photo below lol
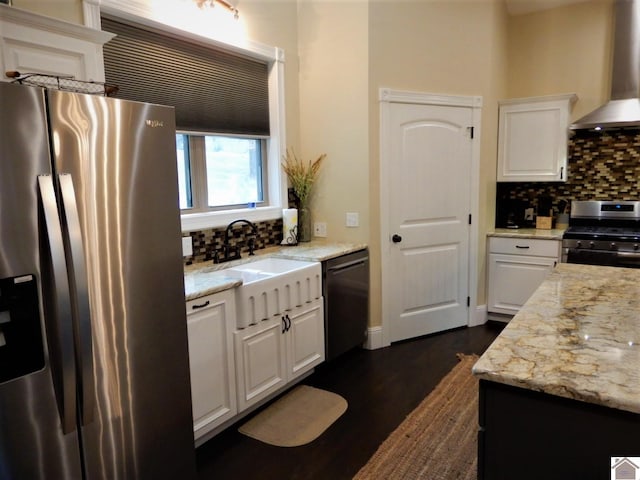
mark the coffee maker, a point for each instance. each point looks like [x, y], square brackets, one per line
[510, 213]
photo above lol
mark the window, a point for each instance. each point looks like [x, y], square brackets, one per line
[219, 172]
[242, 117]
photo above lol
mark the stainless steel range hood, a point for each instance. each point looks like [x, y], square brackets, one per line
[623, 110]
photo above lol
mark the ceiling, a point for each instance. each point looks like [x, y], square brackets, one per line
[519, 7]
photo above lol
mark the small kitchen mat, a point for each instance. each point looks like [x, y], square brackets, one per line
[299, 417]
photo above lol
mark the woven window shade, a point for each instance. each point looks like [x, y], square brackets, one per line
[211, 90]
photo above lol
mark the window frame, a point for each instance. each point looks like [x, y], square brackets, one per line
[198, 172]
[141, 11]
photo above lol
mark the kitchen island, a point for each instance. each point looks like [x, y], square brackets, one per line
[560, 387]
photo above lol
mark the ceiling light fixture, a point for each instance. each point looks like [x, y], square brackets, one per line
[212, 3]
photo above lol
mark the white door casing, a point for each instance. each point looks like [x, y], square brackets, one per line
[429, 171]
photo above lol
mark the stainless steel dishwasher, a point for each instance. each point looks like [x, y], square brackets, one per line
[345, 286]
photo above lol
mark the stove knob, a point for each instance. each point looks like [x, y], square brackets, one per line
[578, 244]
[612, 246]
[592, 244]
[635, 246]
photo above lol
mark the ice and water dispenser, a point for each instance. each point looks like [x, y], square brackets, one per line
[21, 343]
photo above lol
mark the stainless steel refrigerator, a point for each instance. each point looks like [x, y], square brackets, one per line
[94, 372]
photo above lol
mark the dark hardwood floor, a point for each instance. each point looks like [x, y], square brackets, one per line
[381, 386]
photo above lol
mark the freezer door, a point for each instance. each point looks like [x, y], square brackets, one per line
[120, 158]
[32, 442]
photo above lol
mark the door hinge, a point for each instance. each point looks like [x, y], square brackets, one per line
[468, 301]
[469, 219]
[471, 131]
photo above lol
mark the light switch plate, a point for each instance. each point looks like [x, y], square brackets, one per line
[187, 246]
[352, 219]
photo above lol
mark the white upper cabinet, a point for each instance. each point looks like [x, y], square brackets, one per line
[532, 138]
[31, 43]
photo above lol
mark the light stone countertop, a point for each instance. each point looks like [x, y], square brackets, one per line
[554, 234]
[206, 278]
[577, 337]
[199, 283]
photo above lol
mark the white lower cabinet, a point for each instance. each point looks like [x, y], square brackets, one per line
[274, 352]
[517, 267]
[210, 325]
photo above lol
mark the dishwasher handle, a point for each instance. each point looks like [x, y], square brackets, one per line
[346, 265]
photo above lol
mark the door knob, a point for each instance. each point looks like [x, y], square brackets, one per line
[396, 238]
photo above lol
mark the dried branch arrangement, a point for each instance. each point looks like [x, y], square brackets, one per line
[301, 174]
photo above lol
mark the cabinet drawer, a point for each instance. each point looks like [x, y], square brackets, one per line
[202, 303]
[525, 246]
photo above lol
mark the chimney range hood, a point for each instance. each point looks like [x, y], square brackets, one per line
[623, 109]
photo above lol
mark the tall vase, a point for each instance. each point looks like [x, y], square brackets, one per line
[304, 224]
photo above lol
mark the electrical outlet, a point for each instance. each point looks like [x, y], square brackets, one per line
[319, 229]
[352, 219]
[187, 246]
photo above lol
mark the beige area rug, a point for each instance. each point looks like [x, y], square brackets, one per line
[299, 417]
[438, 440]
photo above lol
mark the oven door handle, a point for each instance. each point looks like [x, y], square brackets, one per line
[629, 255]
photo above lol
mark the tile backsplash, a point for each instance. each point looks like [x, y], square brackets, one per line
[601, 166]
[206, 242]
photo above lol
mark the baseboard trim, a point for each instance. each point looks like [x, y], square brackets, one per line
[499, 317]
[374, 334]
[374, 339]
[480, 317]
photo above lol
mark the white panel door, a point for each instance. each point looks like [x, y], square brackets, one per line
[429, 208]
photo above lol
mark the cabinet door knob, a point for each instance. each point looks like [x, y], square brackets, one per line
[396, 238]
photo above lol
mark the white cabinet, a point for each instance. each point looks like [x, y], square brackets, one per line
[274, 352]
[517, 267]
[35, 43]
[532, 138]
[305, 338]
[210, 324]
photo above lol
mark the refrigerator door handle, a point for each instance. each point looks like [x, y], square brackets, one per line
[78, 285]
[59, 323]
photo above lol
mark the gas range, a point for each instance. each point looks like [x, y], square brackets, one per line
[603, 233]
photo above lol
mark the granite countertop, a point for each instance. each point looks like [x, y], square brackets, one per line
[553, 234]
[198, 283]
[206, 278]
[577, 337]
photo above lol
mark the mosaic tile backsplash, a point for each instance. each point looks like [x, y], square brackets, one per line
[601, 166]
[206, 242]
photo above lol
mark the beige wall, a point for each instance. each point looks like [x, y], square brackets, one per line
[69, 10]
[334, 112]
[564, 50]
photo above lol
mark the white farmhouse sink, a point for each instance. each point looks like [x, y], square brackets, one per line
[247, 276]
[272, 286]
[273, 266]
